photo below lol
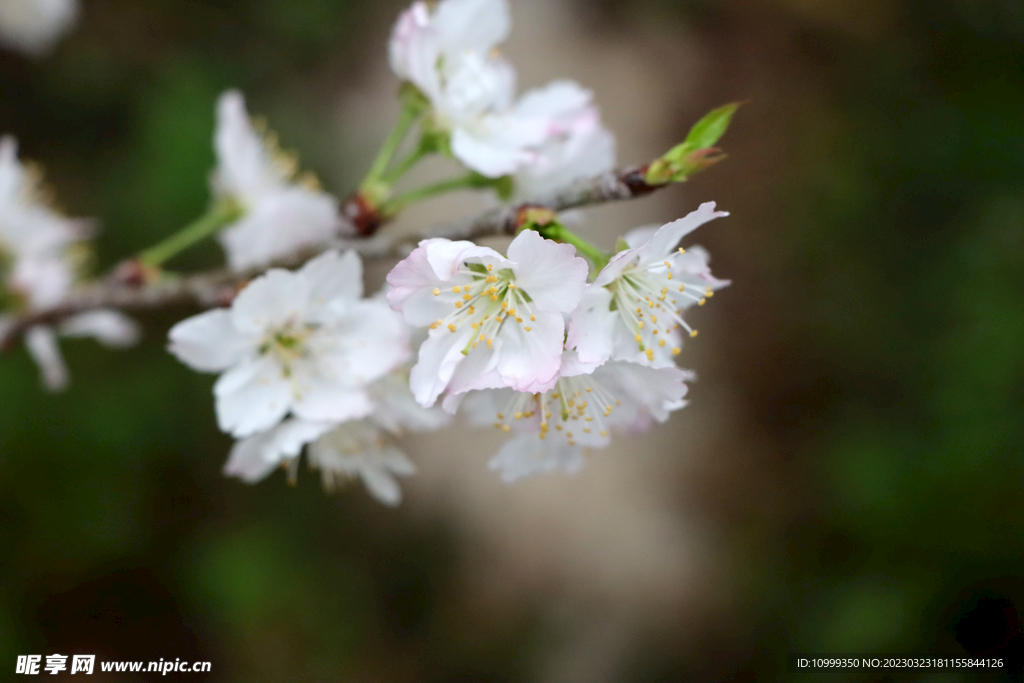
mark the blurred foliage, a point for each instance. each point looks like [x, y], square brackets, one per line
[895, 397]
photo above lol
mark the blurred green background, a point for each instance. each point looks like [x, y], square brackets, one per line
[865, 495]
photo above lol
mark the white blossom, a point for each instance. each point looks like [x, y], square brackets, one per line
[343, 451]
[633, 309]
[302, 343]
[494, 321]
[577, 145]
[549, 137]
[580, 411]
[280, 215]
[40, 252]
[33, 26]
[359, 449]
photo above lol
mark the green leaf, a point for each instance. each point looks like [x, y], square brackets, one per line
[709, 130]
[697, 152]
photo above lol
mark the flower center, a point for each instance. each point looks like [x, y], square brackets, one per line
[486, 301]
[288, 344]
[577, 407]
[650, 301]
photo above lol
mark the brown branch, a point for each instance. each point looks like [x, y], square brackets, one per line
[217, 288]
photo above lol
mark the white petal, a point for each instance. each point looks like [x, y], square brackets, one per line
[529, 361]
[526, 454]
[439, 355]
[592, 326]
[278, 224]
[323, 400]
[668, 236]
[381, 485]
[396, 408]
[555, 100]
[252, 397]
[334, 276]
[658, 390]
[375, 342]
[472, 25]
[549, 272]
[434, 264]
[209, 342]
[277, 298]
[41, 343]
[245, 168]
[111, 328]
[498, 146]
[398, 462]
[477, 371]
[254, 458]
[446, 257]
[248, 460]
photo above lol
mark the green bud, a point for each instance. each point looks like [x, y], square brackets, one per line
[697, 152]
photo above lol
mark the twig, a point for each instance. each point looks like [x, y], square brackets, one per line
[217, 288]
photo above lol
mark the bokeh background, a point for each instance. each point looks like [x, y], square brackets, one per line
[848, 477]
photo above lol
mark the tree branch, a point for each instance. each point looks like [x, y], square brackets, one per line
[217, 288]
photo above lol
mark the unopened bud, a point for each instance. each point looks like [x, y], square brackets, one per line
[135, 273]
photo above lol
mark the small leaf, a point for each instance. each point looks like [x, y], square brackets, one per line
[710, 129]
[696, 153]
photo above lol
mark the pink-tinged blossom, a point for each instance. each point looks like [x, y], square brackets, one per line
[34, 26]
[633, 309]
[576, 145]
[448, 53]
[40, 251]
[302, 343]
[280, 215]
[548, 138]
[585, 405]
[494, 321]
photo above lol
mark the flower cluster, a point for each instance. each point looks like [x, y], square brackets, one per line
[276, 216]
[553, 342]
[40, 256]
[498, 334]
[545, 139]
[303, 357]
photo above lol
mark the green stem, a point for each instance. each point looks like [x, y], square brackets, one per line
[396, 205]
[392, 176]
[559, 232]
[222, 214]
[394, 140]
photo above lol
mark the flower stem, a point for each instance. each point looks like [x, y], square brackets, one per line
[558, 232]
[222, 214]
[396, 205]
[392, 176]
[408, 117]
